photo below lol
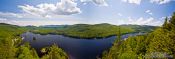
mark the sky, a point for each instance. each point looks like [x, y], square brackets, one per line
[68, 12]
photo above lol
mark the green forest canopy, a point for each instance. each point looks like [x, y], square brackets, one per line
[158, 44]
[10, 47]
[92, 31]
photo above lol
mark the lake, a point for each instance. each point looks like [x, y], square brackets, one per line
[76, 48]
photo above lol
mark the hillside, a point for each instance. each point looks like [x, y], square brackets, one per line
[159, 44]
[11, 47]
[91, 31]
[140, 28]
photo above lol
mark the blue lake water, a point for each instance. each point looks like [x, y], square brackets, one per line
[76, 48]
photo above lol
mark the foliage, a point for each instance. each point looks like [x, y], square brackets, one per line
[25, 52]
[9, 39]
[54, 52]
[11, 47]
[158, 44]
[92, 31]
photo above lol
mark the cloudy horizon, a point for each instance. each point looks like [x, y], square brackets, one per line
[61, 12]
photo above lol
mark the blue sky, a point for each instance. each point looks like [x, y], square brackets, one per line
[56, 12]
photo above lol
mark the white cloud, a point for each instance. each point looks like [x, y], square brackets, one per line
[133, 1]
[162, 18]
[97, 2]
[119, 14]
[160, 1]
[65, 7]
[142, 21]
[62, 19]
[28, 19]
[149, 12]
[7, 14]
[3, 19]
[152, 1]
[39, 23]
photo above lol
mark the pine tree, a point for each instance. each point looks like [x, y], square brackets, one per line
[166, 25]
[118, 35]
[172, 22]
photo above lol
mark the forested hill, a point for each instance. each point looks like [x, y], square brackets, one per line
[159, 44]
[10, 40]
[91, 31]
[79, 30]
[11, 47]
[141, 28]
[11, 30]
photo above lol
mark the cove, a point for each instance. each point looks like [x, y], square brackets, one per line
[76, 48]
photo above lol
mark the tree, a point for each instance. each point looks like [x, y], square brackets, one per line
[7, 50]
[172, 22]
[24, 52]
[165, 24]
[158, 44]
[55, 53]
[119, 34]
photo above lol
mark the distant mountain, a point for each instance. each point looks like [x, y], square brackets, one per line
[141, 28]
[137, 28]
[5, 25]
[53, 26]
[91, 31]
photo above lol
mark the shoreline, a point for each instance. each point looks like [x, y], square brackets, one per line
[82, 37]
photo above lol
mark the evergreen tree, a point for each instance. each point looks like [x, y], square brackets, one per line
[165, 24]
[55, 53]
[119, 34]
[25, 52]
[172, 22]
